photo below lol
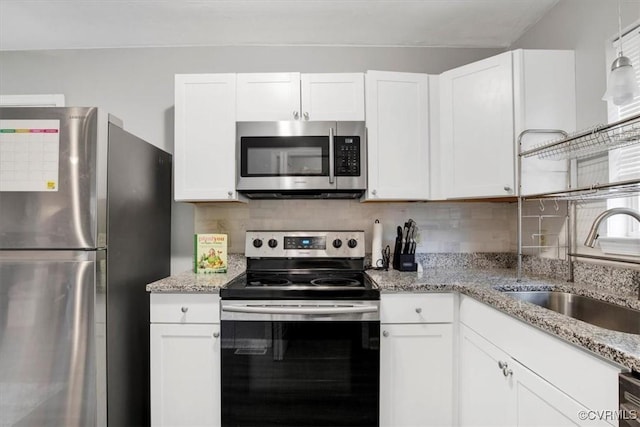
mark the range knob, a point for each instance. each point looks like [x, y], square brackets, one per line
[257, 243]
[272, 243]
[337, 243]
[352, 243]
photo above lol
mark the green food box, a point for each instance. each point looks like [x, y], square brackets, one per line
[210, 253]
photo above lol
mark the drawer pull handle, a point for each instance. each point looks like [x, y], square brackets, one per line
[418, 310]
[184, 309]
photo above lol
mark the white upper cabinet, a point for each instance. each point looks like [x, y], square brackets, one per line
[268, 97]
[484, 107]
[295, 96]
[333, 96]
[546, 91]
[477, 128]
[397, 111]
[205, 129]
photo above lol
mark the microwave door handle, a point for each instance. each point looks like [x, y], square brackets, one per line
[283, 163]
[331, 157]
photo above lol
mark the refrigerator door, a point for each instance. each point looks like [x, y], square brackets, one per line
[50, 330]
[139, 241]
[48, 178]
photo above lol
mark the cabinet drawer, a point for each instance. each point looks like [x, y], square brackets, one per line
[416, 308]
[185, 308]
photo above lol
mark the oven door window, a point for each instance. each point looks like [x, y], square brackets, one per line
[300, 373]
[284, 156]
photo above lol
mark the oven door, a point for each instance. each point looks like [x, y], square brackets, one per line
[286, 156]
[307, 363]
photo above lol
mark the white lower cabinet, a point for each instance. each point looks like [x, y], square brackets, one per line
[511, 395]
[497, 371]
[485, 396]
[416, 360]
[497, 389]
[185, 361]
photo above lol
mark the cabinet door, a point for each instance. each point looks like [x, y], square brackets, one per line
[205, 129]
[333, 96]
[541, 404]
[545, 98]
[486, 396]
[512, 395]
[397, 111]
[416, 371]
[185, 375]
[477, 128]
[268, 97]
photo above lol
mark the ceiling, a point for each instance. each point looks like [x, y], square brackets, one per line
[72, 24]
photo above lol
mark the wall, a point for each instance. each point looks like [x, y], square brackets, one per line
[584, 26]
[443, 227]
[137, 86]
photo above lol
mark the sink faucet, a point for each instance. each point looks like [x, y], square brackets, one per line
[593, 233]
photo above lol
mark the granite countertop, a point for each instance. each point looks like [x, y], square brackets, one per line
[189, 281]
[482, 284]
[485, 286]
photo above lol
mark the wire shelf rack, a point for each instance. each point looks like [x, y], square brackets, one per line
[594, 192]
[590, 142]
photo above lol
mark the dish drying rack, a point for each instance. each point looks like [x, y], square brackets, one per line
[588, 142]
[571, 147]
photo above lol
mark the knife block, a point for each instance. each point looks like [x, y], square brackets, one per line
[405, 262]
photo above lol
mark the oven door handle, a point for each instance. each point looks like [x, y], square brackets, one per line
[265, 309]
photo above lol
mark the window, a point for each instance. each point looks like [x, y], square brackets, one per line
[624, 163]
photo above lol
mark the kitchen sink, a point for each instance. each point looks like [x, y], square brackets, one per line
[590, 310]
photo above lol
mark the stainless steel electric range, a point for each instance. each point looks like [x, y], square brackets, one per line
[301, 333]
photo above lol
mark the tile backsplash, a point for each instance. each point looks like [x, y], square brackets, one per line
[443, 226]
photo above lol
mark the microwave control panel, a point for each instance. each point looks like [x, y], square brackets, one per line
[347, 155]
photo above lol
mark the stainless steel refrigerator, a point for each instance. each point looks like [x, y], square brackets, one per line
[85, 223]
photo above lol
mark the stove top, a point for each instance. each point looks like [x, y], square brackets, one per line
[319, 265]
[291, 285]
[311, 280]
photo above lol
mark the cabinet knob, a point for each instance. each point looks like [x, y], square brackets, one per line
[508, 189]
[385, 334]
[306, 116]
[184, 309]
[230, 193]
[374, 192]
[296, 115]
[506, 372]
[216, 334]
[502, 365]
[418, 310]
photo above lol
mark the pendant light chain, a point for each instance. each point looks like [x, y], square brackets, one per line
[620, 27]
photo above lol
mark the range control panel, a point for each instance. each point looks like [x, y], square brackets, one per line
[305, 244]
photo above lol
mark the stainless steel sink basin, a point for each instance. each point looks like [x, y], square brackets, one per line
[593, 311]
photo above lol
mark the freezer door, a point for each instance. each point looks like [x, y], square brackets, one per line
[48, 178]
[50, 332]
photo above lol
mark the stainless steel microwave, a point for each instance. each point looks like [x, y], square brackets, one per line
[301, 159]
